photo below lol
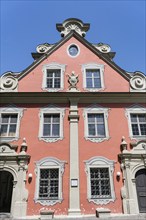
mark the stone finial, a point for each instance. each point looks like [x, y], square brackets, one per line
[73, 24]
[24, 146]
[123, 144]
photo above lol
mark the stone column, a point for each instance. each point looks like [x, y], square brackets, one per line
[74, 199]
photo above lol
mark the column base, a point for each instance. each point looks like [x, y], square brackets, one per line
[74, 212]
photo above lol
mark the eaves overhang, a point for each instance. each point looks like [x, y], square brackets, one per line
[65, 97]
[87, 44]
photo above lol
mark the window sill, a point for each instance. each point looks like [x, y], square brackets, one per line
[49, 139]
[52, 89]
[97, 139]
[101, 201]
[8, 139]
[48, 202]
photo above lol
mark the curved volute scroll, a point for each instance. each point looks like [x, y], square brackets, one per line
[9, 82]
[138, 82]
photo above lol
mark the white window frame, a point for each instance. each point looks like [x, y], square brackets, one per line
[12, 109]
[53, 66]
[100, 162]
[96, 109]
[51, 109]
[93, 66]
[134, 109]
[49, 163]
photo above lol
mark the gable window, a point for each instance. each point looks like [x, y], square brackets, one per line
[49, 172]
[136, 121]
[100, 188]
[53, 78]
[51, 123]
[10, 123]
[93, 77]
[96, 126]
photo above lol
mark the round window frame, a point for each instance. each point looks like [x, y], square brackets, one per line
[69, 52]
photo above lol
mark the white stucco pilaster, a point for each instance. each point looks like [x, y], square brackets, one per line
[74, 199]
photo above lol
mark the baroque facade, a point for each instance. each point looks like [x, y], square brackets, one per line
[73, 131]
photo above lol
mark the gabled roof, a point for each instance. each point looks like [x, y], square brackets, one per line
[104, 56]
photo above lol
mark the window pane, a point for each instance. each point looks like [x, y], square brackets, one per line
[100, 118]
[89, 83]
[142, 118]
[3, 131]
[47, 118]
[57, 83]
[91, 130]
[101, 130]
[133, 118]
[135, 129]
[55, 130]
[5, 118]
[88, 73]
[56, 118]
[97, 83]
[143, 129]
[12, 130]
[13, 119]
[96, 73]
[91, 118]
[46, 130]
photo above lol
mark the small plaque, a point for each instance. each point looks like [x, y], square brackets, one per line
[74, 182]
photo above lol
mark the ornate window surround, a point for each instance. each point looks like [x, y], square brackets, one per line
[53, 66]
[51, 109]
[99, 110]
[100, 162]
[49, 163]
[134, 109]
[93, 66]
[12, 109]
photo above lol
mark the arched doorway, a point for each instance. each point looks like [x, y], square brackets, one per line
[141, 189]
[6, 189]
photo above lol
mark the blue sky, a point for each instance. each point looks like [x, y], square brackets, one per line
[27, 23]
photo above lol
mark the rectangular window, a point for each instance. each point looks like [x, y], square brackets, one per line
[138, 124]
[53, 78]
[93, 78]
[49, 184]
[100, 183]
[96, 126]
[51, 125]
[8, 125]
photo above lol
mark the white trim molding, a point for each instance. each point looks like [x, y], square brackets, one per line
[91, 66]
[49, 163]
[53, 66]
[134, 109]
[10, 110]
[100, 162]
[51, 109]
[96, 109]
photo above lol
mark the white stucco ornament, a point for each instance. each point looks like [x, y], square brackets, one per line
[73, 80]
[104, 48]
[138, 82]
[42, 48]
[8, 83]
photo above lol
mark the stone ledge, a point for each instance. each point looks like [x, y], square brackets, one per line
[46, 214]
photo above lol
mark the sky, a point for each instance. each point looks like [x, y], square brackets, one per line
[28, 23]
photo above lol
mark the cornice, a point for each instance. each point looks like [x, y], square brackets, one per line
[64, 97]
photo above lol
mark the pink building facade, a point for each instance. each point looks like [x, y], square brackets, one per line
[73, 132]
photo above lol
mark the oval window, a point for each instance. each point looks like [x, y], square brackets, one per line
[73, 50]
